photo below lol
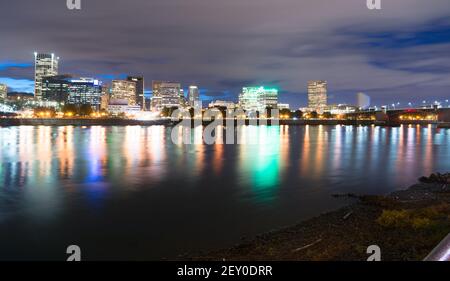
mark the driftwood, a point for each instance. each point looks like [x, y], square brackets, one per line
[307, 246]
[347, 195]
[347, 215]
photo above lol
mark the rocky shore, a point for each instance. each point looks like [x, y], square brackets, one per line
[406, 225]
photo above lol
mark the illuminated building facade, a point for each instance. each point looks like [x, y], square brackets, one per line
[140, 86]
[317, 95]
[105, 98]
[258, 98]
[14, 96]
[3, 92]
[123, 89]
[84, 91]
[55, 88]
[44, 65]
[121, 106]
[80, 91]
[283, 106]
[165, 94]
[194, 97]
[222, 103]
[340, 109]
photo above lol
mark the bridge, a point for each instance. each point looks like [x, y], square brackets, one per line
[430, 115]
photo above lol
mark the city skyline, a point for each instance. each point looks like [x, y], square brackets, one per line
[348, 49]
[140, 94]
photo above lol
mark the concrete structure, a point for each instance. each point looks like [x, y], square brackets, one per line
[222, 103]
[123, 89]
[165, 94]
[317, 95]
[44, 65]
[121, 106]
[444, 115]
[258, 98]
[283, 106]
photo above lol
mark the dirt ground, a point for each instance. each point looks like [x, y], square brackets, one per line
[406, 225]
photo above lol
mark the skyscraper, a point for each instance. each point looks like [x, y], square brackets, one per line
[182, 101]
[258, 98]
[3, 92]
[124, 90]
[194, 97]
[165, 94]
[139, 80]
[44, 65]
[317, 95]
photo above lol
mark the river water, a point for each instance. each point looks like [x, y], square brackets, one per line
[126, 193]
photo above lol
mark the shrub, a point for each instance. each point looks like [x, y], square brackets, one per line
[414, 218]
[393, 218]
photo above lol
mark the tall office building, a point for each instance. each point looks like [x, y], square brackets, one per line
[44, 65]
[85, 91]
[3, 92]
[67, 90]
[124, 90]
[140, 98]
[194, 97]
[317, 95]
[55, 88]
[182, 101]
[258, 98]
[165, 94]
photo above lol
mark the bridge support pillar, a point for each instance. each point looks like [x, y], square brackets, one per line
[444, 115]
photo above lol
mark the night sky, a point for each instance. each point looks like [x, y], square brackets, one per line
[398, 54]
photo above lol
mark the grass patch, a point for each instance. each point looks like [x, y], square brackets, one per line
[415, 218]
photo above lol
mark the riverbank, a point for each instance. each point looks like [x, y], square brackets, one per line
[5, 122]
[444, 125]
[406, 225]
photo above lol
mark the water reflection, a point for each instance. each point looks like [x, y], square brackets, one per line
[46, 155]
[260, 164]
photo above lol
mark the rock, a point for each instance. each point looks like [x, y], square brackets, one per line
[436, 178]
[424, 179]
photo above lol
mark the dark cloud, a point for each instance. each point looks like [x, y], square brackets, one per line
[401, 50]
